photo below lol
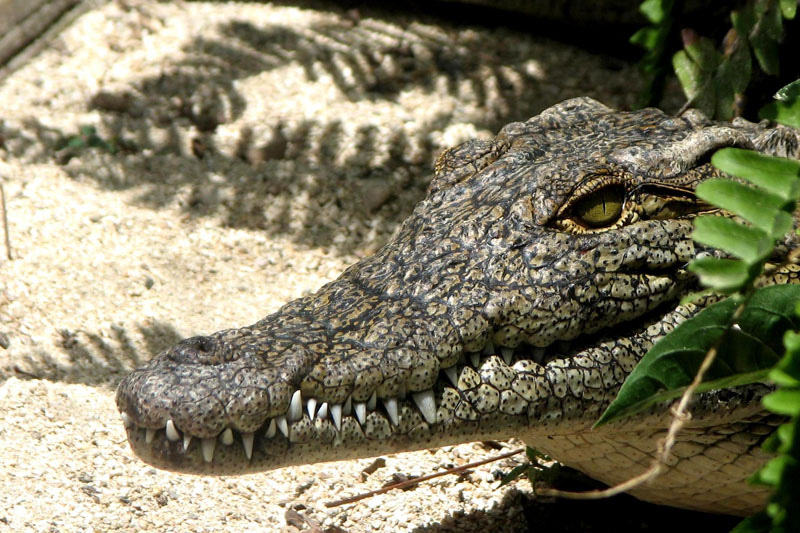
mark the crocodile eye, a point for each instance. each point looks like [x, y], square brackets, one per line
[601, 208]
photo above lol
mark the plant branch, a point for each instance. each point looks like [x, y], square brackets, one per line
[410, 482]
[5, 222]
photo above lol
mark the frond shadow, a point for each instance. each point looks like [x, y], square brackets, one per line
[181, 138]
[92, 359]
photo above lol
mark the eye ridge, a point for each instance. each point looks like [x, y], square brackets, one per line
[600, 208]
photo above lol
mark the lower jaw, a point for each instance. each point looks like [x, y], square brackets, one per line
[315, 442]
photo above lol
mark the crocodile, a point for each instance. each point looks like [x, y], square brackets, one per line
[513, 302]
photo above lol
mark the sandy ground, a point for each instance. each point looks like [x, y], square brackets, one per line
[242, 155]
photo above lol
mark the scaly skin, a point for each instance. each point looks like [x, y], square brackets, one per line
[507, 305]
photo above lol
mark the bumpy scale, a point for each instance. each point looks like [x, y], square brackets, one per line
[514, 301]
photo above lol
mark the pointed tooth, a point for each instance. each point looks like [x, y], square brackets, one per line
[336, 415]
[348, 406]
[208, 448]
[172, 433]
[127, 421]
[426, 404]
[186, 440]
[247, 442]
[312, 408]
[283, 425]
[475, 359]
[391, 408]
[452, 375]
[489, 348]
[373, 401]
[227, 437]
[323, 411]
[295, 407]
[508, 354]
[271, 429]
[361, 412]
[149, 434]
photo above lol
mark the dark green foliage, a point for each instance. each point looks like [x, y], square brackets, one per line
[87, 137]
[782, 514]
[535, 469]
[782, 109]
[714, 78]
[745, 354]
[654, 39]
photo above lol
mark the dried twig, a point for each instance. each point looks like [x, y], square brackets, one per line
[5, 221]
[410, 482]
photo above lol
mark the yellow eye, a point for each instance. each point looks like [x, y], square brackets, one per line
[601, 208]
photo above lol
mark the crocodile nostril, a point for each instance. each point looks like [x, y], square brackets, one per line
[203, 344]
[201, 349]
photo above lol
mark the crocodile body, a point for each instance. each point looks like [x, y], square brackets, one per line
[513, 302]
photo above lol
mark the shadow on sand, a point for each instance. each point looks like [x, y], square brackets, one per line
[323, 182]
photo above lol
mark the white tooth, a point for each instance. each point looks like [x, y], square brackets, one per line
[208, 448]
[271, 429]
[227, 437]
[373, 401]
[489, 348]
[475, 359]
[452, 375]
[247, 441]
[426, 404]
[172, 433]
[391, 409]
[336, 415]
[348, 406]
[312, 408]
[186, 440]
[149, 434]
[295, 407]
[283, 425]
[508, 354]
[127, 421]
[323, 411]
[361, 411]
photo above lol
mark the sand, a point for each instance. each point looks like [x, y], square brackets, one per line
[172, 169]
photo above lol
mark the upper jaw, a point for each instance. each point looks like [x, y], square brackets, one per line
[494, 393]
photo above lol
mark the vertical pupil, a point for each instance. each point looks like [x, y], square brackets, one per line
[600, 208]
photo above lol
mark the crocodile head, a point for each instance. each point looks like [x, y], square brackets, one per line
[513, 301]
